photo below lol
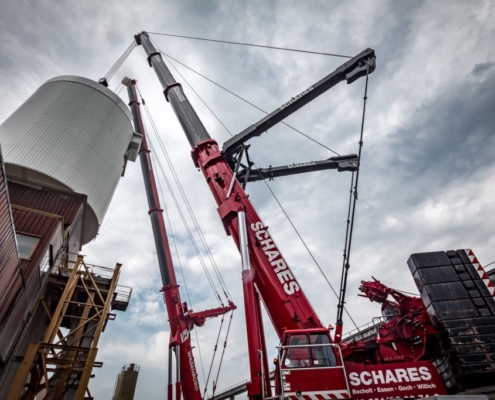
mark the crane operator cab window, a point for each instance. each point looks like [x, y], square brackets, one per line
[313, 350]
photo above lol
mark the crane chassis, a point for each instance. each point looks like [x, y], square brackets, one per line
[406, 359]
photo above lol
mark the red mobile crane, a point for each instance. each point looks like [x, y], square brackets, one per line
[181, 318]
[311, 365]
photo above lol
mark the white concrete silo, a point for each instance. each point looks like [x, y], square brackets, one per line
[72, 134]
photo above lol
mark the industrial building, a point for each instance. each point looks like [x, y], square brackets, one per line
[62, 155]
[64, 151]
[125, 384]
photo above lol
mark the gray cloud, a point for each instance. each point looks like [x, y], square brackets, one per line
[427, 160]
[480, 69]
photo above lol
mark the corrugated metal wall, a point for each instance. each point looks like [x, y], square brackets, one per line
[11, 282]
[27, 283]
[77, 132]
[35, 212]
[45, 201]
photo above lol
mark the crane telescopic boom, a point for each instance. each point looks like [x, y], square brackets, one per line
[285, 301]
[287, 305]
[181, 319]
[270, 276]
[406, 356]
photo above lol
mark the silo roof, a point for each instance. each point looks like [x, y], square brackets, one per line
[75, 134]
[95, 85]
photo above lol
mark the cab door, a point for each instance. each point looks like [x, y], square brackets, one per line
[311, 368]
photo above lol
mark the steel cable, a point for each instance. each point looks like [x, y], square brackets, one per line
[189, 207]
[178, 258]
[182, 273]
[115, 67]
[213, 357]
[223, 353]
[307, 248]
[266, 183]
[210, 254]
[248, 102]
[251, 45]
[350, 226]
[186, 226]
[344, 258]
[165, 208]
[199, 97]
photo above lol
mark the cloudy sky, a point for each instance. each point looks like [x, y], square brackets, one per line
[427, 165]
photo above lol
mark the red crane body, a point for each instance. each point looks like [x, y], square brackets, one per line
[270, 276]
[286, 304]
[310, 365]
[181, 319]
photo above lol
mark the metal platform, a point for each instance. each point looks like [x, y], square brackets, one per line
[78, 306]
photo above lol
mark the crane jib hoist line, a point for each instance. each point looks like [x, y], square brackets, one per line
[310, 364]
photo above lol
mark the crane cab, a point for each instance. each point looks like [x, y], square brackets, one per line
[310, 367]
